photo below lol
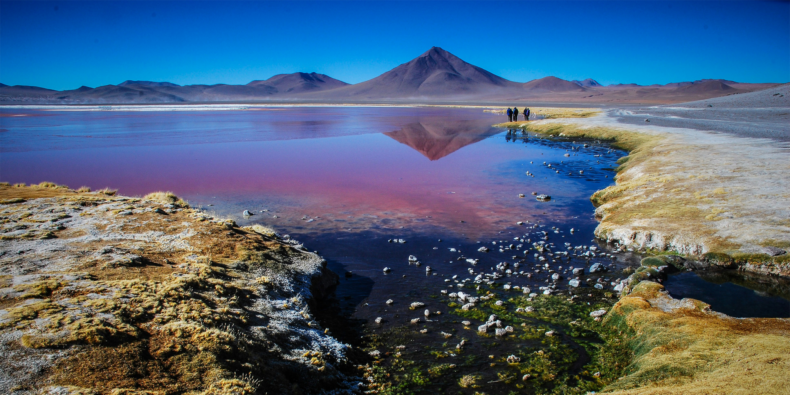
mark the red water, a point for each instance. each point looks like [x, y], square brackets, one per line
[403, 164]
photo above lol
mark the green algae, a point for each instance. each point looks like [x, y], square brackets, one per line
[555, 347]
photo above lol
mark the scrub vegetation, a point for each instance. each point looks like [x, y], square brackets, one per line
[110, 294]
[681, 347]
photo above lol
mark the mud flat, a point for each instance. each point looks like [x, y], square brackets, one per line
[110, 294]
[718, 197]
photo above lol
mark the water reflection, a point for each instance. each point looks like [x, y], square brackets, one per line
[436, 138]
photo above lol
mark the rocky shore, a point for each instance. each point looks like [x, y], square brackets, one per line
[110, 294]
[717, 197]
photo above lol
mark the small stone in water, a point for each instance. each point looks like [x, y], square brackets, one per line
[390, 301]
[378, 320]
[423, 331]
[466, 323]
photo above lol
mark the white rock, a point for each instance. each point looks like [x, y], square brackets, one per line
[598, 313]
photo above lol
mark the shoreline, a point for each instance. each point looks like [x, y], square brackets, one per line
[670, 199]
[101, 286]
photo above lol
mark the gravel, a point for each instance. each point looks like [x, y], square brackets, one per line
[761, 114]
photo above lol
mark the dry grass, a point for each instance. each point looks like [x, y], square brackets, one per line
[549, 113]
[688, 351]
[166, 198]
[173, 318]
[663, 203]
[107, 191]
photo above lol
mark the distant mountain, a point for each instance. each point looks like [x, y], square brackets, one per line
[299, 82]
[625, 86]
[687, 83]
[435, 73]
[146, 83]
[552, 84]
[115, 94]
[588, 83]
[704, 87]
[436, 76]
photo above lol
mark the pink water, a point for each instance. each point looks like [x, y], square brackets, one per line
[404, 164]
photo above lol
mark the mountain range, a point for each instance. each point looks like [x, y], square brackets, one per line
[436, 76]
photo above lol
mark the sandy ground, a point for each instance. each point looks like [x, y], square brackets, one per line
[762, 114]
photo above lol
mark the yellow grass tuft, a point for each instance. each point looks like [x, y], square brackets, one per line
[84, 189]
[107, 191]
[687, 351]
[166, 198]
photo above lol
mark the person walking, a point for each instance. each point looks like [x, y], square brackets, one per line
[515, 114]
[526, 114]
[509, 115]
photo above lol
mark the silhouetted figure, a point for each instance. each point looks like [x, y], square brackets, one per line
[509, 115]
[515, 114]
[526, 114]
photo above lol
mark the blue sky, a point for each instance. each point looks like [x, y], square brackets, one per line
[66, 44]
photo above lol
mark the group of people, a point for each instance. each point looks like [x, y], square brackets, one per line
[512, 114]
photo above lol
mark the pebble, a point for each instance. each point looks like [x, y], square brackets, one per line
[466, 323]
[387, 270]
[378, 320]
[598, 313]
[415, 321]
[417, 305]
[390, 301]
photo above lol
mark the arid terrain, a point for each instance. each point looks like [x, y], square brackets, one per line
[109, 294]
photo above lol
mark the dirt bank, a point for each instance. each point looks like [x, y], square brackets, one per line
[718, 197]
[103, 293]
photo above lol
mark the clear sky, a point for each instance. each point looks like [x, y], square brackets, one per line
[66, 44]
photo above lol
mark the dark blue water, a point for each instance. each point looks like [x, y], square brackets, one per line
[733, 294]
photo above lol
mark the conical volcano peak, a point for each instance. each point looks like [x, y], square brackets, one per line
[436, 51]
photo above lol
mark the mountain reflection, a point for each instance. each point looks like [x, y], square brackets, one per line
[436, 138]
